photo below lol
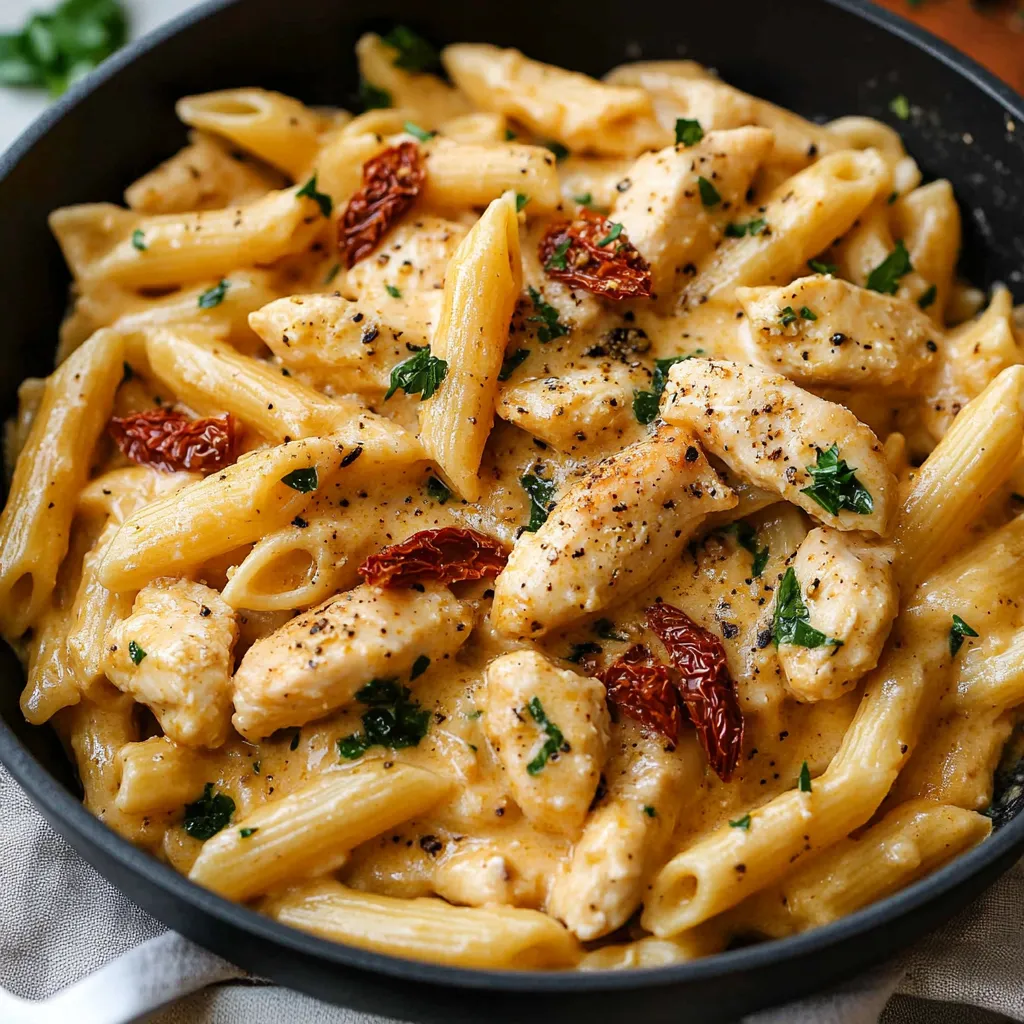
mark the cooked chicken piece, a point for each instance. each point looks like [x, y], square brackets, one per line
[173, 653]
[785, 439]
[549, 729]
[609, 535]
[847, 585]
[578, 408]
[821, 330]
[663, 211]
[315, 662]
[626, 835]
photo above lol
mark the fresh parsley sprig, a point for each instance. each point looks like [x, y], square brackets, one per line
[552, 745]
[421, 374]
[791, 620]
[547, 317]
[393, 719]
[541, 493]
[836, 487]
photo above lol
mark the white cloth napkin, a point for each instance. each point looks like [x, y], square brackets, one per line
[59, 921]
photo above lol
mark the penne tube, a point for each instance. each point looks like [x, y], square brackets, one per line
[52, 468]
[312, 829]
[50, 682]
[995, 680]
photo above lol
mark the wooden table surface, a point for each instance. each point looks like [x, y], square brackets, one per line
[991, 32]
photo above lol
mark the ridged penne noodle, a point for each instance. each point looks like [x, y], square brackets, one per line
[16, 430]
[52, 468]
[996, 680]
[867, 133]
[312, 829]
[481, 289]
[276, 128]
[475, 129]
[428, 929]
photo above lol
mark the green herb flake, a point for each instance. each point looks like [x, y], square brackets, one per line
[373, 98]
[790, 624]
[885, 277]
[414, 52]
[957, 632]
[708, 193]
[900, 106]
[806, 313]
[560, 151]
[585, 199]
[606, 630]
[746, 537]
[421, 374]
[417, 132]
[393, 719]
[205, 817]
[805, 778]
[688, 133]
[512, 362]
[547, 315]
[927, 297]
[395, 293]
[245, 833]
[787, 316]
[835, 487]
[646, 405]
[474, 714]
[419, 666]
[577, 652]
[821, 267]
[214, 296]
[139, 240]
[305, 481]
[555, 740]
[332, 273]
[893, 196]
[614, 232]
[521, 201]
[556, 261]
[752, 227]
[136, 653]
[648, 809]
[322, 199]
[510, 135]
[438, 490]
[256, 767]
[541, 493]
[743, 823]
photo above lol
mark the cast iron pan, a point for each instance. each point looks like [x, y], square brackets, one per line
[823, 58]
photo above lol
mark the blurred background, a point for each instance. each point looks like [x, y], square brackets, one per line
[45, 44]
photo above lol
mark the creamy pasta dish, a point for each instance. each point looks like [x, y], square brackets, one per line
[538, 521]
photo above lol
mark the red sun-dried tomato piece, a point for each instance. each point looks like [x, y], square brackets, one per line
[571, 252]
[707, 688]
[644, 689]
[170, 441]
[391, 182]
[448, 555]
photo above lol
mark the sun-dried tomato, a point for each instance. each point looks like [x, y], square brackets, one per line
[644, 689]
[391, 182]
[571, 252]
[707, 688]
[170, 441]
[448, 555]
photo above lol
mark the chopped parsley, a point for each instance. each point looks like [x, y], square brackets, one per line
[556, 261]
[927, 297]
[688, 133]
[332, 273]
[419, 666]
[214, 296]
[957, 632]
[646, 403]
[205, 817]
[512, 362]
[585, 199]
[322, 199]
[708, 193]
[650, 811]
[645, 406]
[373, 98]
[835, 487]
[414, 52]
[613, 233]
[577, 652]
[786, 316]
[560, 151]
[420, 133]
[821, 267]
[743, 823]
[605, 629]
[139, 239]
[438, 490]
[421, 374]
[805, 778]
[807, 313]
[510, 135]
[305, 481]
[541, 493]
[135, 652]
[547, 316]
[886, 276]
[55, 50]
[752, 227]
[790, 625]
[392, 720]
[521, 201]
[395, 293]
[746, 536]
[555, 740]
[900, 106]
[246, 832]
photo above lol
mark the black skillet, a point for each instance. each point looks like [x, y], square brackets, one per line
[823, 58]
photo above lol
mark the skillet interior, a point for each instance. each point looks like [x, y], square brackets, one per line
[821, 59]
